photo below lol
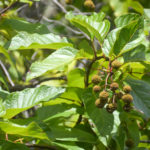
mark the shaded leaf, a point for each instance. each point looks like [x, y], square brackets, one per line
[100, 117]
[5, 145]
[141, 95]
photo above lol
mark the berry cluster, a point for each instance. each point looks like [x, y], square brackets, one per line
[110, 94]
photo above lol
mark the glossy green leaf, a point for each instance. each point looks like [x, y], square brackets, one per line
[31, 130]
[101, 118]
[24, 40]
[118, 41]
[93, 26]
[126, 19]
[17, 102]
[141, 95]
[57, 59]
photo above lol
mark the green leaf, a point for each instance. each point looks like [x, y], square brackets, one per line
[13, 26]
[58, 59]
[100, 117]
[141, 95]
[5, 145]
[47, 113]
[76, 78]
[93, 26]
[71, 134]
[136, 6]
[17, 102]
[68, 145]
[31, 130]
[24, 40]
[137, 54]
[72, 95]
[126, 19]
[117, 41]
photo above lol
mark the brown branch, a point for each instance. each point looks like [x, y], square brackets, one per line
[41, 146]
[86, 79]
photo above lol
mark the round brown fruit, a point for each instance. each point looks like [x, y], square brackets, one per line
[127, 107]
[96, 88]
[129, 143]
[99, 103]
[111, 107]
[96, 79]
[104, 95]
[116, 64]
[127, 98]
[68, 1]
[89, 4]
[127, 89]
[114, 86]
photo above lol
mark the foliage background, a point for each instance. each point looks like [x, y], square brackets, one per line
[45, 112]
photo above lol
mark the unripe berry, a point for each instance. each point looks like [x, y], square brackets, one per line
[127, 98]
[89, 4]
[114, 86]
[99, 103]
[96, 88]
[104, 95]
[127, 89]
[129, 143]
[96, 79]
[116, 64]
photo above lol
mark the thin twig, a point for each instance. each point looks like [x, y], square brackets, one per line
[6, 73]
[86, 79]
[60, 6]
[60, 23]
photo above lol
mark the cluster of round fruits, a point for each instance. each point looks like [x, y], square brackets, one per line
[112, 93]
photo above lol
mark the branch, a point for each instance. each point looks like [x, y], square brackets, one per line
[86, 79]
[41, 146]
[60, 6]
[35, 83]
[60, 23]
[6, 73]
[7, 8]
